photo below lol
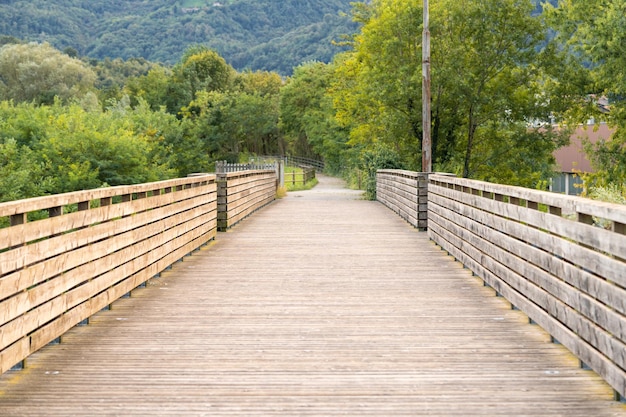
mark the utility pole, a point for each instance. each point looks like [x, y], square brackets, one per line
[426, 137]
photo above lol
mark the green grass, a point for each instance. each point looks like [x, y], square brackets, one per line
[301, 187]
[298, 186]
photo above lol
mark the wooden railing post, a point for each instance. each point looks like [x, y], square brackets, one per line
[222, 202]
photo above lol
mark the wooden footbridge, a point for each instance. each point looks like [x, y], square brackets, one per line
[319, 304]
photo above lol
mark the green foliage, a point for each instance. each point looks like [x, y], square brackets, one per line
[609, 159]
[377, 87]
[307, 116]
[592, 33]
[66, 148]
[227, 124]
[38, 72]
[20, 172]
[129, 137]
[611, 193]
[487, 87]
[257, 34]
[298, 186]
[379, 157]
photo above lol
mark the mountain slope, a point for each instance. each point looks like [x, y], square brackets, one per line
[258, 34]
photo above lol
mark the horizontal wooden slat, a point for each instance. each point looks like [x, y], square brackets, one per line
[562, 302]
[609, 211]
[41, 203]
[567, 275]
[72, 221]
[598, 362]
[72, 250]
[546, 251]
[404, 192]
[595, 237]
[241, 193]
[92, 250]
[349, 312]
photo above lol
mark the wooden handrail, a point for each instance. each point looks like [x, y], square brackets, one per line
[242, 193]
[560, 259]
[94, 247]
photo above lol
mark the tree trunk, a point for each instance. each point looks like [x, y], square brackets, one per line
[470, 142]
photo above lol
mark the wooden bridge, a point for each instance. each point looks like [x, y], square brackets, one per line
[319, 304]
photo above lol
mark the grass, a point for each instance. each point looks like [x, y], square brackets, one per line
[298, 186]
[302, 187]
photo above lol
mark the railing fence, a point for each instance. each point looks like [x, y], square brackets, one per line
[93, 247]
[559, 259]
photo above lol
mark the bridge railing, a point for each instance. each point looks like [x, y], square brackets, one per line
[300, 178]
[92, 247]
[242, 193]
[406, 193]
[559, 259]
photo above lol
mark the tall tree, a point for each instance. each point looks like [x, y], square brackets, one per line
[377, 88]
[489, 83]
[200, 69]
[38, 72]
[594, 33]
[307, 116]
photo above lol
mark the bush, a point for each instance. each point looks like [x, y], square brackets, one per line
[380, 157]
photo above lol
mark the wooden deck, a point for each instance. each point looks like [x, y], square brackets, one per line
[320, 304]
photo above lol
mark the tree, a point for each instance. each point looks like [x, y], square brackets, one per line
[228, 124]
[200, 69]
[38, 72]
[377, 87]
[593, 32]
[487, 64]
[307, 116]
[151, 87]
[490, 82]
[21, 176]
[263, 83]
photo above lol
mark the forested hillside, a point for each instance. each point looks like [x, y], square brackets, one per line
[257, 34]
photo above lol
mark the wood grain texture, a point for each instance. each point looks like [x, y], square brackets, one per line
[242, 193]
[404, 192]
[321, 304]
[562, 271]
[82, 261]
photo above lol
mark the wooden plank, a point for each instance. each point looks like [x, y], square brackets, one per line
[563, 303]
[567, 203]
[79, 285]
[613, 348]
[348, 313]
[44, 228]
[607, 369]
[42, 203]
[600, 239]
[14, 354]
[71, 250]
[251, 183]
[609, 211]
[548, 252]
[75, 315]
[586, 257]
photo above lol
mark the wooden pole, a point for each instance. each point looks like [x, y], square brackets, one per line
[426, 138]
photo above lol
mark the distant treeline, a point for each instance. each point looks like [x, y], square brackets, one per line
[256, 34]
